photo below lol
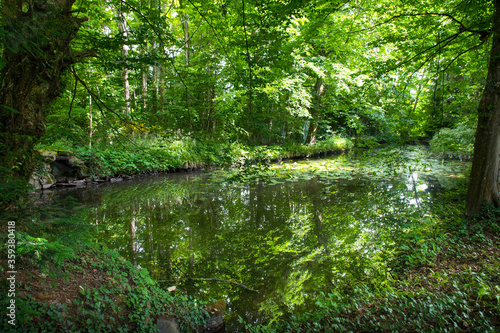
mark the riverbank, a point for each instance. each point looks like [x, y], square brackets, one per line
[443, 271]
[82, 166]
[64, 273]
[65, 281]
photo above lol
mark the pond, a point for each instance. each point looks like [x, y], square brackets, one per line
[268, 240]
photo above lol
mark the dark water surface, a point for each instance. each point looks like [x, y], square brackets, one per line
[282, 237]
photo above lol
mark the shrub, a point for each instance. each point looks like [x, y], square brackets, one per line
[454, 142]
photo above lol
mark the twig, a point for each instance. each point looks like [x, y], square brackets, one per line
[463, 28]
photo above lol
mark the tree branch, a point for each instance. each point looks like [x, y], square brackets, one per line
[211, 280]
[74, 94]
[462, 53]
[447, 41]
[85, 54]
[100, 103]
[217, 36]
[483, 33]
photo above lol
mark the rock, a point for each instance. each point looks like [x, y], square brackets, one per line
[48, 156]
[72, 183]
[214, 324]
[64, 184]
[35, 183]
[216, 321]
[74, 161]
[82, 171]
[167, 325]
[68, 166]
[79, 182]
[48, 180]
[42, 178]
[114, 180]
[60, 167]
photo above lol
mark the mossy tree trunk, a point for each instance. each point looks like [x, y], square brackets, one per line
[37, 52]
[483, 184]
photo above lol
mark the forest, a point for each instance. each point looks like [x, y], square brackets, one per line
[239, 88]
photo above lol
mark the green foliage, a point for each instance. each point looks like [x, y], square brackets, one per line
[388, 266]
[455, 142]
[12, 191]
[219, 84]
[126, 300]
[154, 153]
[261, 80]
[43, 250]
[138, 156]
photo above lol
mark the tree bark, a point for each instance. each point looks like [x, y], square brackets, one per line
[185, 24]
[144, 87]
[126, 85]
[319, 91]
[483, 184]
[37, 52]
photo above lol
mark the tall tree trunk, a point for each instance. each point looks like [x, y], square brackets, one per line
[162, 86]
[91, 123]
[162, 5]
[319, 91]
[126, 84]
[185, 25]
[91, 127]
[37, 52]
[156, 76]
[144, 87]
[483, 184]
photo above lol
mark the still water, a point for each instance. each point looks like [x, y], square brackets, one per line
[268, 241]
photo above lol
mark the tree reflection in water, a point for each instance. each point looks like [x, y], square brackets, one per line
[312, 227]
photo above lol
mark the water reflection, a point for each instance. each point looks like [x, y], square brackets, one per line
[288, 239]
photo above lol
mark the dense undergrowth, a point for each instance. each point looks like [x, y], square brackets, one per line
[157, 154]
[457, 142]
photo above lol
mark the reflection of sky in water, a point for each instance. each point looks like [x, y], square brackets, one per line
[417, 186]
[312, 229]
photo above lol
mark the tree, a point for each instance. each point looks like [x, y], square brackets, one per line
[483, 183]
[426, 31]
[37, 51]
[122, 25]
